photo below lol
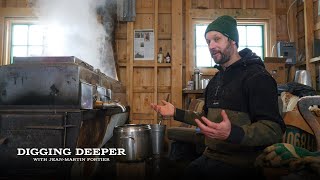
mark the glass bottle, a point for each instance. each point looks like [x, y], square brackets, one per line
[168, 58]
[160, 55]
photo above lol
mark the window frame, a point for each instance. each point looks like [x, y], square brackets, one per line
[9, 22]
[266, 33]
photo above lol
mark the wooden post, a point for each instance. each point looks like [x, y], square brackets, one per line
[129, 78]
[155, 74]
[176, 69]
[309, 38]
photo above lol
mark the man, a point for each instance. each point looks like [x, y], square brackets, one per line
[240, 116]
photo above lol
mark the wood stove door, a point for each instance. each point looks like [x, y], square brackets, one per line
[36, 130]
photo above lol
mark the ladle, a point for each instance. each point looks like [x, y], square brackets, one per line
[161, 117]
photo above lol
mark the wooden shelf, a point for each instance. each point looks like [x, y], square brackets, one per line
[164, 65]
[199, 91]
[147, 64]
[143, 63]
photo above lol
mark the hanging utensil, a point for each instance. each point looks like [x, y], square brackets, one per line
[160, 116]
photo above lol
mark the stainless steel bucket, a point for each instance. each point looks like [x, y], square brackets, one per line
[135, 139]
[157, 138]
[204, 83]
[303, 77]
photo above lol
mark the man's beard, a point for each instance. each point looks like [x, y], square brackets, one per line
[225, 55]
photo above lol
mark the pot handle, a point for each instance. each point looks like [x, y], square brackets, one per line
[127, 142]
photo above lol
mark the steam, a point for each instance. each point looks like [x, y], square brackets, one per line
[74, 30]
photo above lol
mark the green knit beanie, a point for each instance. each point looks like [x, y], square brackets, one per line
[226, 25]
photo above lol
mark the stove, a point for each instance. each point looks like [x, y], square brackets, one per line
[55, 102]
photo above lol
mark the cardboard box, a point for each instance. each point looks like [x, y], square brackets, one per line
[276, 67]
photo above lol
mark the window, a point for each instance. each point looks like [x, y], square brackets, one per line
[24, 37]
[27, 40]
[251, 35]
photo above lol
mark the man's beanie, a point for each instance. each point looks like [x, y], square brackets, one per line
[226, 25]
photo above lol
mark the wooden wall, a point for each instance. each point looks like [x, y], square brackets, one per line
[308, 29]
[14, 3]
[171, 20]
[150, 82]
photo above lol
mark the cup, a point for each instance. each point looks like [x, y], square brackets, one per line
[190, 85]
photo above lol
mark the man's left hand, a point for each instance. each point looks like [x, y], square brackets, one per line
[214, 130]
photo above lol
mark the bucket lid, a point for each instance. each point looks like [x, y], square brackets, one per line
[157, 127]
[132, 127]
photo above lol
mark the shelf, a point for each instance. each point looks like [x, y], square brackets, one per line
[199, 91]
[164, 64]
[150, 64]
[143, 63]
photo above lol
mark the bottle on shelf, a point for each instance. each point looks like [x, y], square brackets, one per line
[160, 55]
[196, 76]
[168, 58]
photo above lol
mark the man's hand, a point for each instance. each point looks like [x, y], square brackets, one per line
[167, 109]
[219, 131]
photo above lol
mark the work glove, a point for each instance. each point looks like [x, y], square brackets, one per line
[287, 155]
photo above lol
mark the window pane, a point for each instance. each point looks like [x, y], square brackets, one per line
[19, 51]
[20, 35]
[254, 34]
[35, 51]
[203, 57]
[242, 35]
[200, 39]
[241, 48]
[35, 35]
[257, 50]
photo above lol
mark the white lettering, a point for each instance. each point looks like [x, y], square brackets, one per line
[104, 151]
[67, 151]
[21, 151]
[113, 151]
[79, 151]
[96, 151]
[87, 151]
[121, 151]
[34, 151]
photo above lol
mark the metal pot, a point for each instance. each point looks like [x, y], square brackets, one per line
[135, 139]
[303, 77]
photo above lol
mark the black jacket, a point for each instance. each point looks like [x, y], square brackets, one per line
[248, 94]
[245, 86]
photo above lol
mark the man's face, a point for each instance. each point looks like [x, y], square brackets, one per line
[220, 47]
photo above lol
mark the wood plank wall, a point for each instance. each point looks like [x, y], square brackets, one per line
[151, 83]
[171, 20]
[14, 3]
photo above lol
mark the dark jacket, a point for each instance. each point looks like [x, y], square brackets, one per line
[248, 93]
